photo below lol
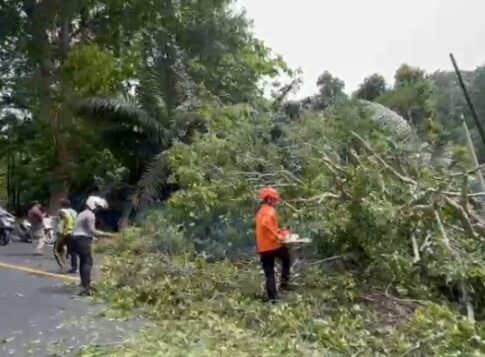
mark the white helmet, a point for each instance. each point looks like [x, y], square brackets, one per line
[94, 202]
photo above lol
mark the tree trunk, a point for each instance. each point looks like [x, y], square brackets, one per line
[60, 116]
[57, 192]
[9, 175]
[125, 215]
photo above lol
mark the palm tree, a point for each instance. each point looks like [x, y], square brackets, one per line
[163, 111]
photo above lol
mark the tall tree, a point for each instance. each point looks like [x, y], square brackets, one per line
[44, 36]
[411, 97]
[373, 87]
[331, 90]
[406, 75]
[63, 51]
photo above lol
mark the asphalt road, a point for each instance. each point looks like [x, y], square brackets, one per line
[43, 316]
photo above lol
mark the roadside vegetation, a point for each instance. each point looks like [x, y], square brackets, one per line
[160, 108]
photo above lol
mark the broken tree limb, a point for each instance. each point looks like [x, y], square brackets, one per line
[423, 208]
[460, 194]
[354, 156]
[469, 172]
[417, 256]
[463, 216]
[293, 208]
[464, 194]
[334, 167]
[401, 177]
[319, 198]
[426, 243]
[467, 301]
[444, 235]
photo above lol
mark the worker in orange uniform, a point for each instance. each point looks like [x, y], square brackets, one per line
[270, 239]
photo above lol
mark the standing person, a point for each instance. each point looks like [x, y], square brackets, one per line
[270, 239]
[63, 245]
[36, 218]
[83, 234]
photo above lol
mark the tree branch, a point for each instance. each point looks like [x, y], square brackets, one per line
[417, 256]
[444, 236]
[403, 178]
[470, 172]
[318, 199]
[462, 215]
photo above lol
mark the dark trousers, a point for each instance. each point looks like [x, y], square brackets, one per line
[72, 253]
[63, 249]
[82, 248]
[268, 263]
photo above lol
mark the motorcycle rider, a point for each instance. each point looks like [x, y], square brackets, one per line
[63, 245]
[82, 237]
[35, 216]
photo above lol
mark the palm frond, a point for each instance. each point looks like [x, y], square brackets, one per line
[167, 75]
[121, 112]
[388, 120]
[151, 94]
[150, 183]
[441, 156]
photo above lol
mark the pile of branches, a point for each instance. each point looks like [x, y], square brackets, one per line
[437, 219]
[346, 185]
[440, 223]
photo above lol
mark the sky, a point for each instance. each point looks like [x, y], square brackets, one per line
[355, 38]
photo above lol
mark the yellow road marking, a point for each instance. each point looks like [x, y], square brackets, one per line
[38, 272]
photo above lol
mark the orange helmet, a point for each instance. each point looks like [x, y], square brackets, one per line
[269, 192]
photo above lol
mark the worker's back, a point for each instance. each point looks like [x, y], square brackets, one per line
[267, 229]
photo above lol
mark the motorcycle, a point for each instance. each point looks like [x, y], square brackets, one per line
[50, 231]
[7, 221]
[25, 230]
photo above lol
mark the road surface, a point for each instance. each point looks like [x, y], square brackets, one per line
[41, 315]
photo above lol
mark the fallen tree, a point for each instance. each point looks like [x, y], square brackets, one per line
[404, 238]
[346, 184]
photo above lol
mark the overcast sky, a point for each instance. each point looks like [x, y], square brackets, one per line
[355, 38]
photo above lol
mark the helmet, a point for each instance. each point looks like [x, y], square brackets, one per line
[94, 202]
[269, 192]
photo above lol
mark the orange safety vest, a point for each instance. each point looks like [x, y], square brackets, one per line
[268, 232]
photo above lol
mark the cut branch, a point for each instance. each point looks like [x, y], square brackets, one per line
[470, 172]
[467, 301]
[293, 208]
[319, 198]
[464, 194]
[417, 257]
[444, 236]
[462, 215]
[403, 178]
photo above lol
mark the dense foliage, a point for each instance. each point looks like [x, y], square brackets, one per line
[159, 105]
[394, 268]
[54, 54]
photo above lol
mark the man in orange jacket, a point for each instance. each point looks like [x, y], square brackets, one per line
[270, 239]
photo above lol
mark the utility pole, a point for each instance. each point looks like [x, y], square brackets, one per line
[468, 99]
